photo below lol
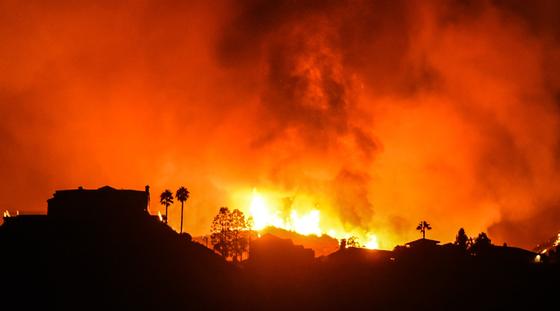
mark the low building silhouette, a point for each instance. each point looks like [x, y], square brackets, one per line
[354, 255]
[271, 250]
[507, 254]
[95, 203]
[426, 250]
[422, 244]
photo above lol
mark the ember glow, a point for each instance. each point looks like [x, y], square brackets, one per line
[367, 115]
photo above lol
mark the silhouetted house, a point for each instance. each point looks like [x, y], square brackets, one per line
[80, 204]
[424, 249]
[422, 244]
[506, 254]
[98, 203]
[353, 255]
[270, 250]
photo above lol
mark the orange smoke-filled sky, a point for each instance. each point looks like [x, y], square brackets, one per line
[384, 112]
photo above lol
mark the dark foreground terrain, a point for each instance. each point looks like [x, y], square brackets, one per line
[133, 261]
[147, 266]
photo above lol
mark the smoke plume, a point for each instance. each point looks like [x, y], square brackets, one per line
[385, 113]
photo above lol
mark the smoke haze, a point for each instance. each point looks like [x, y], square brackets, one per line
[384, 113]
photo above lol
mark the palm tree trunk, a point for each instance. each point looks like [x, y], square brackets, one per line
[181, 231]
[166, 218]
[424, 234]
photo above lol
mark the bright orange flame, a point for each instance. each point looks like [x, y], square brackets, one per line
[300, 220]
[557, 242]
[264, 216]
[371, 242]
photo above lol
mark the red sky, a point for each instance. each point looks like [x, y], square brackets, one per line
[383, 112]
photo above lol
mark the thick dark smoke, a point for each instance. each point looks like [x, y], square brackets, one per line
[386, 112]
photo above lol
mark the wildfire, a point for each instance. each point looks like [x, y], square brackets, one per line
[264, 216]
[302, 221]
[550, 245]
[371, 242]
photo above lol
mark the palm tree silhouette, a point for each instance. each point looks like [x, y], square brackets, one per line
[166, 198]
[422, 227]
[182, 195]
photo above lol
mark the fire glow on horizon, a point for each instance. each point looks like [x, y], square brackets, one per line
[306, 222]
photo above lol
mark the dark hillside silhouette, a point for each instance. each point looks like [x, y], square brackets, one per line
[101, 249]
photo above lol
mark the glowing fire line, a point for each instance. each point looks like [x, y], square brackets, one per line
[305, 223]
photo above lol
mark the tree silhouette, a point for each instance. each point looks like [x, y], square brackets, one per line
[229, 230]
[422, 227]
[462, 240]
[182, 195]
[481, 243]
[483, 239]
[239, 226]
[166, 199]
[342, 244]
[221, 232]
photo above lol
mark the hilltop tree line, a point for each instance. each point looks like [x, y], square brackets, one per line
[231, 230]
[469, 245]
[474, 246]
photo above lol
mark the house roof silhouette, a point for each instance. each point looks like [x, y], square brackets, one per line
[106, 188]
[422, 243]
[95, 203]
[271, 250]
